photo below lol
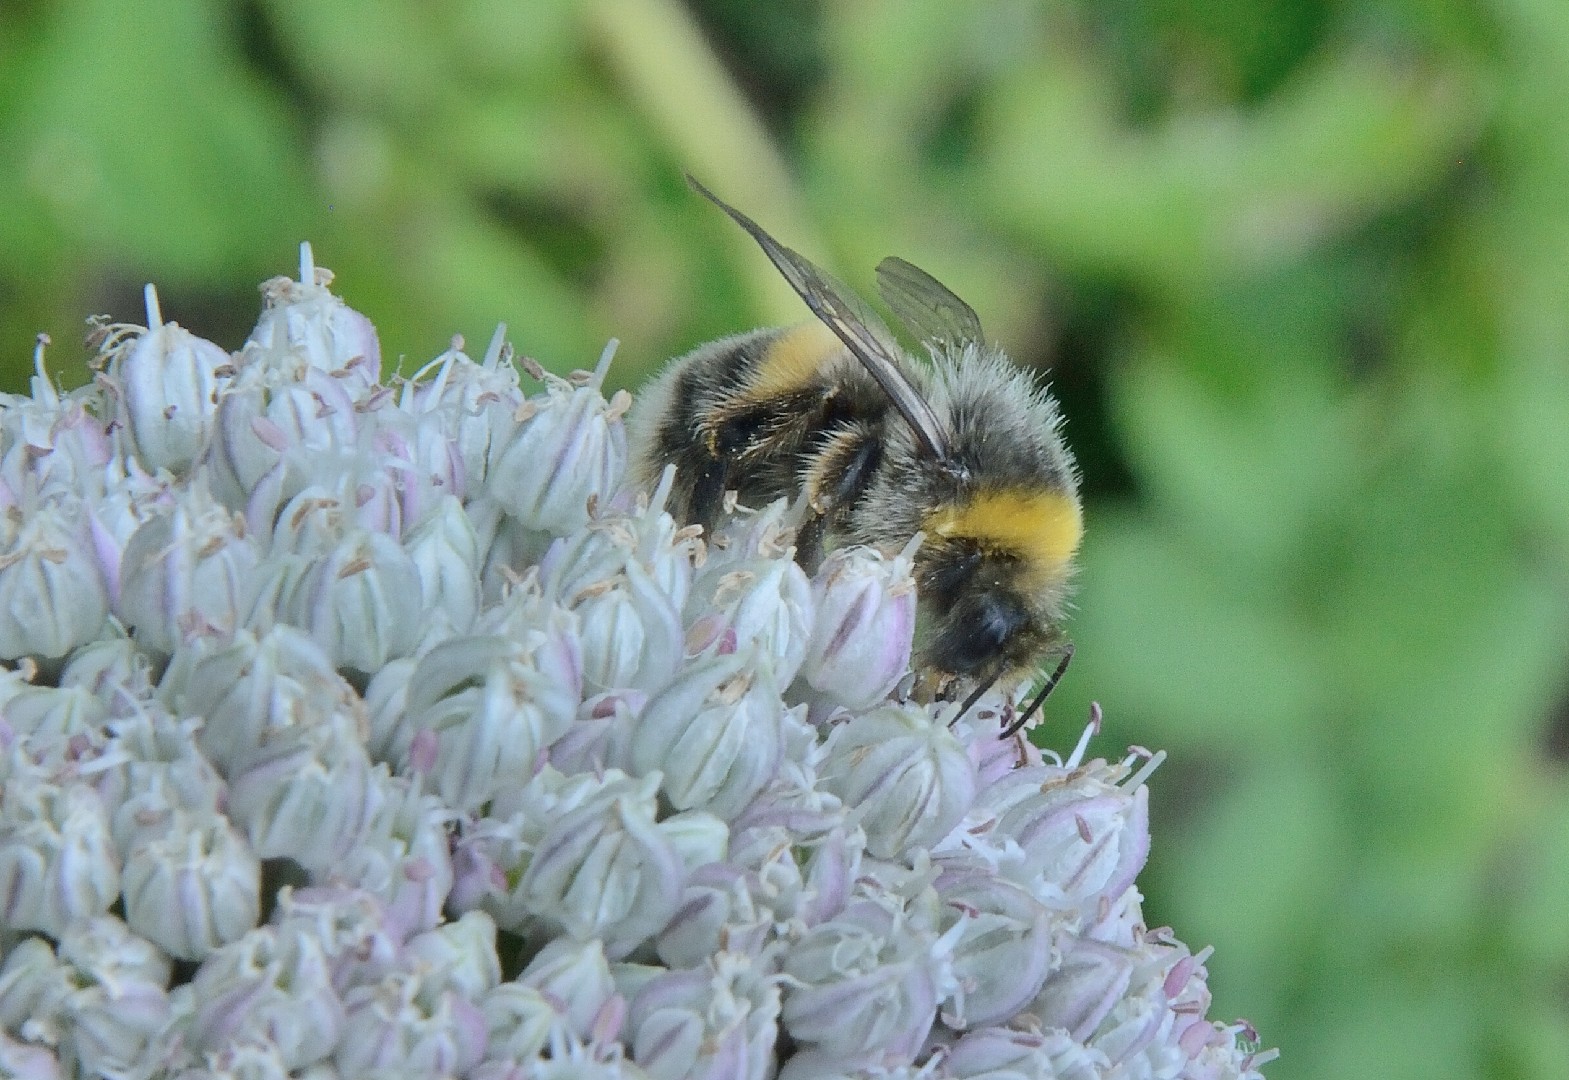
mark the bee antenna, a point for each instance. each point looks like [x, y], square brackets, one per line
[976, 695]
[1040, 698]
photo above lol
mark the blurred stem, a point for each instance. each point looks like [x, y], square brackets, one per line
[659, 53]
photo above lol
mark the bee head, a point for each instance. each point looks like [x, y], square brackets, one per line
[993, 577]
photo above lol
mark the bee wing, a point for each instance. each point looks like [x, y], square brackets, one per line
[856, 325]
[926, 305]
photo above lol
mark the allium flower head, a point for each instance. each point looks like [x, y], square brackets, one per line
[352, 729]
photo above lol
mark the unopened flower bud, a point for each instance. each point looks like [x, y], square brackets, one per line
[187, 570]
[1084, 832]
[309, 795]
[631, 632]
[303, 321]
[52, 592]
[33, 988]
[57, 857]
[360, 598]
[117, 1013]
[996, 1052]
[714, 732]
[574, 975]
[350, 925]
[446, 553]
[519, 1022]
[272, 986]
[113, 671]
[491, 710]
[459, 955]
[168, 381]
[1077, 995]
[718, 912]
[864, 625]
[192, 886]
[267, 417]
[251, 686]
[476, 402]
[404, 860]
[405, 1023]
[1004, 947]
[569, 445]
[24, 1061]
[49, 714]
[604, 869]
[717, 1021]
[766, 601]
[868, 980]
[905, 777]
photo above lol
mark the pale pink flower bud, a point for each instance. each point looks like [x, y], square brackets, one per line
[717, 1021]
[250, 686]
[492, 711]
[1084, 832]
[191, 885]
[475, 404]
[118, 1012]
[48, 714]
[868, 980]
[459, 955]
[186, 571]
[23, 1061]
[646, 536]
[167, 381]
[446, 553]
[273, 986]
[52, 592]
[405, 1023]
[50, 442]
[349, 924]
[405, 860]
[519, 1022]
[569, 445]
[360, 599]
[575, 976]
[994, 1053]
[386, 702]
[718, 911]
[630, 630]
[113, 670]
[303, 321]
[864, 607]
[764, 601]
[156, 753]
[604, 869]
[905, 777]
[57, 857]
[714, 733]
[1078, 994]
[1004, 947]
[33, 988]
[268, 417]
[310, 795]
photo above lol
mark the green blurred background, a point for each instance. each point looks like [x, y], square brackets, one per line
[1298, 269]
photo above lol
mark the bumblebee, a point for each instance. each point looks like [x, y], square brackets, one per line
[966, 449]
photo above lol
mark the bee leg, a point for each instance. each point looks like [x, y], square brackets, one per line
[708, 492]
[834, 482]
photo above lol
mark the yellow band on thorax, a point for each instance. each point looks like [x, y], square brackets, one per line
[1042, 528]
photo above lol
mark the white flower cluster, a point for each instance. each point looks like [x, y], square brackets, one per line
[362, 730]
